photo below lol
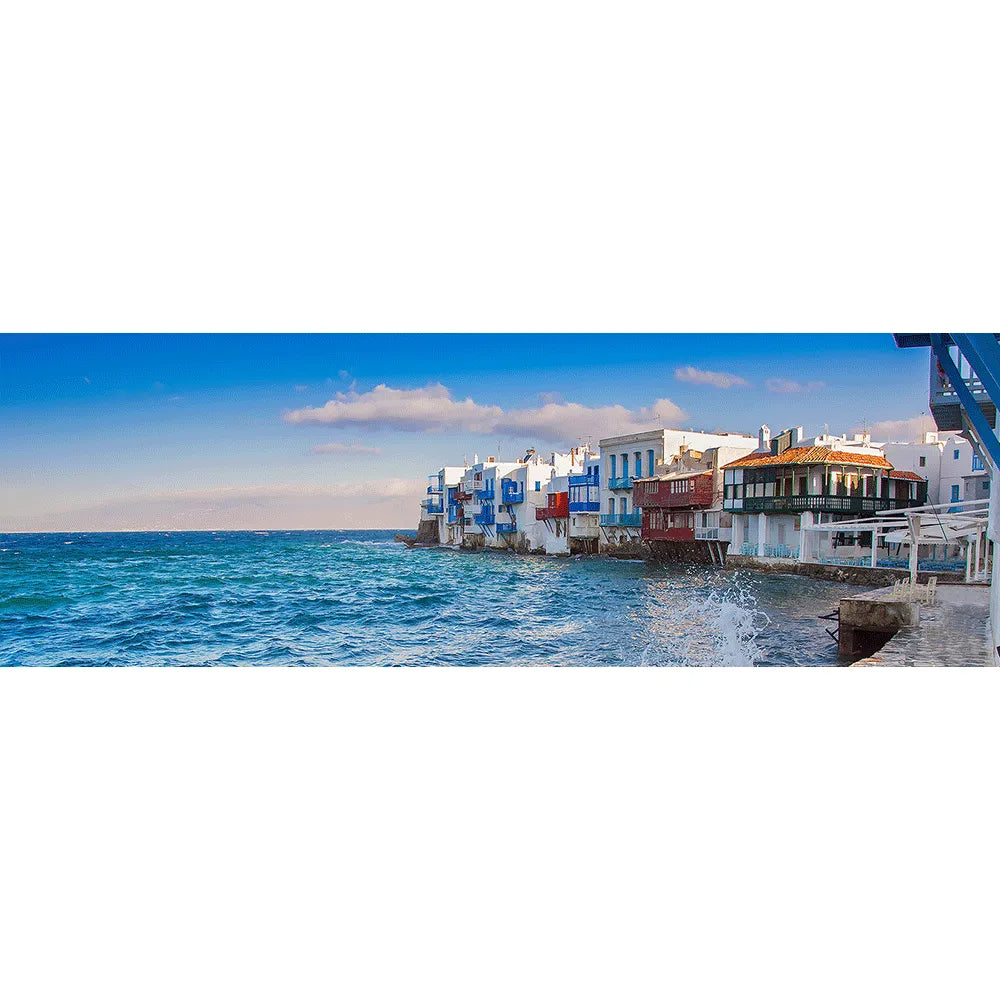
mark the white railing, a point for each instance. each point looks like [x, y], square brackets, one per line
[713, 534]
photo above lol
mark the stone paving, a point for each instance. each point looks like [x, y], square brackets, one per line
[953, 632]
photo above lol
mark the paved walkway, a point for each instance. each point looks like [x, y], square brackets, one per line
[954, 632]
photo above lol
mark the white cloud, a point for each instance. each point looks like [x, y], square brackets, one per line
[571, 421]
[719, 379]
[910, 429]
[433, 409]
[344, 374]
[790, 385]
[428, 409]
[338, 448]
[301, 388]
[550, 397]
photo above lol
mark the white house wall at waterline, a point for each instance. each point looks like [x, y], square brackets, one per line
[492, 504]
[751, 498]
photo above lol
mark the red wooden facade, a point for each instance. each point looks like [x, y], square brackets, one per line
[659, 525]
[668, 506]
[674, 494]
[557, 506]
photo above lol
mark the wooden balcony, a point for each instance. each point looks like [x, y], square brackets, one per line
[558, 506]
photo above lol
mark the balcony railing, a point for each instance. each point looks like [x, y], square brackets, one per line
[487, 492]
[511, 492]
[781, 552]
[633, 520]
[506, 529]
[486, 517]
[434, 506]
[620, 483]
[434, 489]
[713, 534]
[588, 479]
[770, 551]
[461, 495]
[579, 506]
[820, 503]
[455, 515]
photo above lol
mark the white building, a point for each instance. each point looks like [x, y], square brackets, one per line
[435, 507]
[570, 516]
[522, 491]
[776, 494]
[632, 456]
[478, 491]
[953, 470]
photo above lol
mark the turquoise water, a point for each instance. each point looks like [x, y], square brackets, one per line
[319, 598]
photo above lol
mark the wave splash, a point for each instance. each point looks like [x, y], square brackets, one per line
[720, 628]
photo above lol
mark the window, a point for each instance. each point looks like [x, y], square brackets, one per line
[538, 487]
[954, 493]
[624, 505]
[625, 466]
[985, 487]
[923, 461]
[977, 464]
[611, 505]
[638, 463]
[955, 455]
[650, 461]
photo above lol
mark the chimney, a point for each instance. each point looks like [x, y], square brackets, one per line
[764, 438]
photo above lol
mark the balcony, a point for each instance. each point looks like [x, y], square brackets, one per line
[432, 490]
[486, 516]
[558, 506]
[506, 529]
[825, 504]
[585, 480]
[461, 495]
[620, 483]
[455, 515]
[583, 506]
[713, 534]
[487, 492]
[633, 520]
[434, 506]
[945, 405]
[511, 492]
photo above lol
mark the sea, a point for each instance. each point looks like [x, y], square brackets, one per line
[359, 598]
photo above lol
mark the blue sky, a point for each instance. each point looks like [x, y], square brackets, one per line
[233, 430]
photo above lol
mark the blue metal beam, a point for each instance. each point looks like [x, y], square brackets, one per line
[983, 354]
[972, 409]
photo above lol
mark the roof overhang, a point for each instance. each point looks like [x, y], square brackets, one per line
[918, 339]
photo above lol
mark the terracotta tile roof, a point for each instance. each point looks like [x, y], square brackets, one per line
[811, 456]
[900, 474]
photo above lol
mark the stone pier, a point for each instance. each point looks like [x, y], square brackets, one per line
[952, 632]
